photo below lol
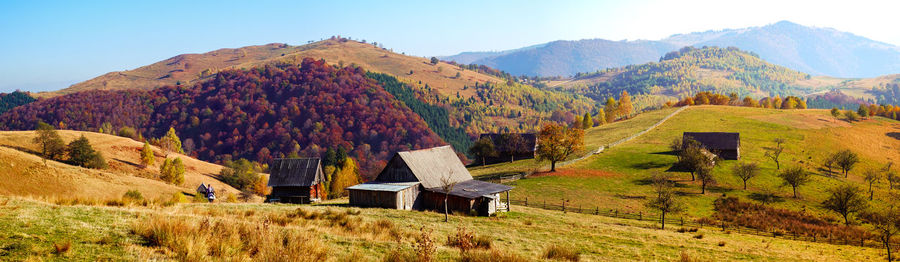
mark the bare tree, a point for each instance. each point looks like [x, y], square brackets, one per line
[775, 152]
[885, 222]
[694, 158]
[872, 176]
[890, 175]
[447, 185]
[745, 171]
[706, 178]
[665, 200]
[846, 159]
[794, 177]
[845, 199]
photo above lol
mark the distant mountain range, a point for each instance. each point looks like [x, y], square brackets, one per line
[813, 50]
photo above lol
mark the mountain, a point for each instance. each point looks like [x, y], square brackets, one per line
[564, 58]
[817, 51]
[258, 114]
[813, 50]
[690, 70]
[193, 68]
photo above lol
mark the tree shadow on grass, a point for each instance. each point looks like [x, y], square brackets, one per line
[766, 198]
[127, 163]
[894, 135]
[649, 165]
[23, 149]
[669, 153]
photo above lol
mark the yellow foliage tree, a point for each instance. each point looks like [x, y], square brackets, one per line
[347, 175]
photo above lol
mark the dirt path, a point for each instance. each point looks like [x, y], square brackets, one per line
[620, 141]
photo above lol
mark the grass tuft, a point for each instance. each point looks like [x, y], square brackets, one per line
[558, 252]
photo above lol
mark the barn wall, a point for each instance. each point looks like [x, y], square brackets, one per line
[396, 171]
[435, 201]
[292, 194]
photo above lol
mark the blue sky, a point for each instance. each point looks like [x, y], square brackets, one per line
[48, 45]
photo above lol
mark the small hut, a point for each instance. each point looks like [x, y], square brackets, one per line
[725, 145]
[415, 180]
[296, 180]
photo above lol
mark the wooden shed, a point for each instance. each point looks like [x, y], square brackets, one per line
[296, 180]
[403, 195]
[427, 170]
[725, 145]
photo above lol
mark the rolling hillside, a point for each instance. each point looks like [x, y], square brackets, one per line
[25, 175]
[616, 178]
[193, 68]
[689, 70]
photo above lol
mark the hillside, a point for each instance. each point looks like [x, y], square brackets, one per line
[257, 114]
[26, 175]
[261, 232]
[616, 178]
[192, 68]
[689, 70]
[812, 50]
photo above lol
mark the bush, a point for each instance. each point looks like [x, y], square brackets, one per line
[698, 236]
[133, 195]
[231, 198]
[82, 154]
[62, 248]
[239, 174]
[684, 257]
[561, 253]
[177, 198]
[721, 243]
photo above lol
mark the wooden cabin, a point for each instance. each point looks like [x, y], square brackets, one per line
[725, 145]
[296, 180]
[504, 154]
[414, 180]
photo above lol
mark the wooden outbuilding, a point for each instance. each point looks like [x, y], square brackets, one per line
[504, 153]
[725, 145]
[415, 180]
[296, 180]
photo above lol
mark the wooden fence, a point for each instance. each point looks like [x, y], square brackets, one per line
[700, 223]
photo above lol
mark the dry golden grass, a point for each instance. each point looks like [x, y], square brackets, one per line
[187, 68]
[28, 176]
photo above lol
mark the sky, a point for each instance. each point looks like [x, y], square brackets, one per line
[49, 45]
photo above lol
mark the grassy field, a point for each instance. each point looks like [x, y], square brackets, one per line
[33, 230]
[594, 138]
[618, 177]
[25, 175]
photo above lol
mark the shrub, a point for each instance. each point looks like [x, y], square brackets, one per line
[231, 198]
[82, 154]
[424, 247]
[684, 257]
[464, 239]
[698, 236]
[200, 198]
[561, 253]
[721, 243]
[62, 248]
[133, 195]
[177, 198]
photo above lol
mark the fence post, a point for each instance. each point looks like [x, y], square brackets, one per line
[526, 201]
[682, 221]
[617, 213]
[640, 215]
[564, 206]
[597, 212]
[545, 204]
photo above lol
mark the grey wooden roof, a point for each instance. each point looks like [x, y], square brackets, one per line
[295, 172]
[716, 140]
[380, 186]
[433, 164]
[473, 189]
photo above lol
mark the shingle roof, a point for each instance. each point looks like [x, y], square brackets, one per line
[295, 172]
[473, 189]
[716, 140]
[379, 186]
[433, 164]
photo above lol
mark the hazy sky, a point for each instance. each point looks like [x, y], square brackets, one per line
[48, 45]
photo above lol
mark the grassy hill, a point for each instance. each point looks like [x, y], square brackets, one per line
[191, 68]
[689, 70]
[25, 174]
[617, 178]
[29, 230]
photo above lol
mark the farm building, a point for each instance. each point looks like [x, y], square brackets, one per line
[296, 180]
[414, 180]
[726, 145]
[505, 152]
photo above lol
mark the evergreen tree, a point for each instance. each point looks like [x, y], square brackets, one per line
[82, 154]
[863, 111]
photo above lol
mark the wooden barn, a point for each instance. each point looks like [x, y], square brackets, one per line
[415, 180]
[505, 153]
[725, 145]
[296, 180]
